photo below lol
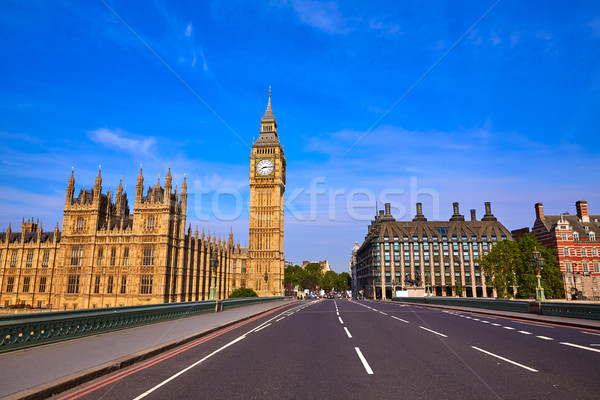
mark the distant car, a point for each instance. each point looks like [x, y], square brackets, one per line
[330, 296]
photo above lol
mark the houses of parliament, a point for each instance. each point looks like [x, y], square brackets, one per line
[105, 256]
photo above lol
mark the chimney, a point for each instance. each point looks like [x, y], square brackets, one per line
[473, 215]
[488, 212]
[388, 214]
[419, 216]
[456, 216]
[539, 211]
[582, 211]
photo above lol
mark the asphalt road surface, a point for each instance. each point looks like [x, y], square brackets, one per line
[339, 349]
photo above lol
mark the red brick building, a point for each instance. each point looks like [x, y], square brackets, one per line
[575, 237]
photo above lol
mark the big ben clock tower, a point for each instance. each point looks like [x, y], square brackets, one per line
[267, 186]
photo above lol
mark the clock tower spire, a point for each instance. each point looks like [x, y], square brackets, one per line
[267, 187]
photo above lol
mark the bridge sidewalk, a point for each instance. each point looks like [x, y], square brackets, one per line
[38, 372]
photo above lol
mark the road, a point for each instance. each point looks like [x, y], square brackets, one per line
[332, 349]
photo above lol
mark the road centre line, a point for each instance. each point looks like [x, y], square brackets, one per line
[381, 312]
[340, 318]
[364, 361]
[580, 347]
[277, 320]
[432, 331]
[510, 328]
[146, 393]
[505, 359]
[544, 337]
[525, 332]
[348, 332]
[400, 319]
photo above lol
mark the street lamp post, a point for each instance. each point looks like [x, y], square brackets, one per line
[537, 262]
[214, 263]
[266, 279]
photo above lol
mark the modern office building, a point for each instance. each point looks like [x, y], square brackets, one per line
[421, 256]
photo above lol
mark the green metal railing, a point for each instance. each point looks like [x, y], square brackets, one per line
[571, 310]
[25, 330]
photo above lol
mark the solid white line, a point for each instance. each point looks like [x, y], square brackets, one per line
[340, 318]
[525, 332]
[348, 332]
[262, 327]
[594, 344]
[364, 361]
[400, 319]
[277, 320]
[437, 333]
[580, 347]
[146, 393]
[505, 359]
[591, 333]
[544, 337]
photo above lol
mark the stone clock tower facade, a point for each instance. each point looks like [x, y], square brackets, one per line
[267, 187]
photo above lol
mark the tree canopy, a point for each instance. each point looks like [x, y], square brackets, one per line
[242, 292]
[507, 266]
[312, 277]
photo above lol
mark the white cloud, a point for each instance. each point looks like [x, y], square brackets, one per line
[123, 141]
[385, 28]
[495, 39]
[324, 16]
[188, 30]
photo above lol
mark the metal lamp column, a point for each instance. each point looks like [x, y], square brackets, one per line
[537, 262]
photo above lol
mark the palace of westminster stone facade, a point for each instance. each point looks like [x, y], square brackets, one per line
[106, 257]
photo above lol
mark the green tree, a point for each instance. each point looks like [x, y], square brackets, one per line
[551, 277]
[500, 266]
[329, 280]
[343, 281]
[242, 292]
[294, 274]
[508, 266]
[458, 289]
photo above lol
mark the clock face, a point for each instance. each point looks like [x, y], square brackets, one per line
[264, 167]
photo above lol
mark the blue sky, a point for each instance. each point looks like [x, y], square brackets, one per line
[400, 101]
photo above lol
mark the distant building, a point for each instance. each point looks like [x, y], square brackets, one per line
[427, 255]
[324, 265]
[352, 270]
[575, 237]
